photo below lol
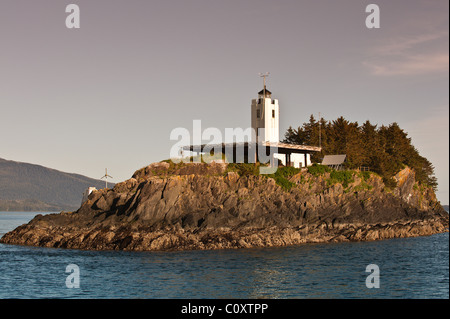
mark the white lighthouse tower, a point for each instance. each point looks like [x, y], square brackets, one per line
[265, 115]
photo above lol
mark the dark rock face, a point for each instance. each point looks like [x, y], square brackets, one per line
[200, 206]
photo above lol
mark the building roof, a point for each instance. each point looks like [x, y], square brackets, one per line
[268, 93]
[292, 147]
[333, 159]
[281, 147]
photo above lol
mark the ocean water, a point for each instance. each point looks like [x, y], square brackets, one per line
[408, 268]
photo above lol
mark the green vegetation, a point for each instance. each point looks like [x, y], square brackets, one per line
[172, 166]
[365, 176]
[243, 169]
[317, 169]
[343, 177]
[282, 175]
[201, 158]
[362, 187]
[385, 150]
[287, 171]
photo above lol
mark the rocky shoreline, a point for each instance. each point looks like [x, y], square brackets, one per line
[165, 206]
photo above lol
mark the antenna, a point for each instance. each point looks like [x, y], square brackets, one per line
[106, 177]
[320, 131]
[264, 75]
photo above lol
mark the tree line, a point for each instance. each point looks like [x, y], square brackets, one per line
[385, 149]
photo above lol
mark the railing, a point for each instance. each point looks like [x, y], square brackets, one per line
[342, 167]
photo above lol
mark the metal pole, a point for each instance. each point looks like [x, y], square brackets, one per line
[320, 131]
[263, 109]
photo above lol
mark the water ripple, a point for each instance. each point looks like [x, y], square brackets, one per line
[409, 268]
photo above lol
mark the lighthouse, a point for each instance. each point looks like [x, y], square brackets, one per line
[265, 120]
[266, 115]
[265, 124]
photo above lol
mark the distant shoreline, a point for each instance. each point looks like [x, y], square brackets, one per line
[31, 187]
[31, 205]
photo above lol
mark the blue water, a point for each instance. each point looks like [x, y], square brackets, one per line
[409, 268]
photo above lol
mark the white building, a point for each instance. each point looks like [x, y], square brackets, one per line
[266, 123]
[86, 194]
[266, 115]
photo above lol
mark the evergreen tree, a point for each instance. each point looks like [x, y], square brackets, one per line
[385, 150]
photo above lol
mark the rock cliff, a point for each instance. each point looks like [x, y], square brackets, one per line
[209, 206]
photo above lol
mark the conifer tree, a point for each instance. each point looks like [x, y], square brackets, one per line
[385, 150]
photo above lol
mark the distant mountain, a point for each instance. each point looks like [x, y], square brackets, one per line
[445, 207]
[29, 187]
[30, 205]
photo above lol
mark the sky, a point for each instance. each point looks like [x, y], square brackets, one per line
[109, 93]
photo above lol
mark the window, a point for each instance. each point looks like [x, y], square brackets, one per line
[273, 113]
[258, 114]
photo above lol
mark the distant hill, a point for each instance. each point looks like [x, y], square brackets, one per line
[30, 205]
[445, 207]
[29, 187]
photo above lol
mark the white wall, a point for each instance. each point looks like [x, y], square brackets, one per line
[272, 128]
[86, 194]
[296, 159]
[266, 121]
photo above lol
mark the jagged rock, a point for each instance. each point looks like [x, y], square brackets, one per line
[200, 206]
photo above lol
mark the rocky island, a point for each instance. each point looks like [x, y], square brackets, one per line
[168, 206]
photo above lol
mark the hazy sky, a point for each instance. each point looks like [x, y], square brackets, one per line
[109, 94]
